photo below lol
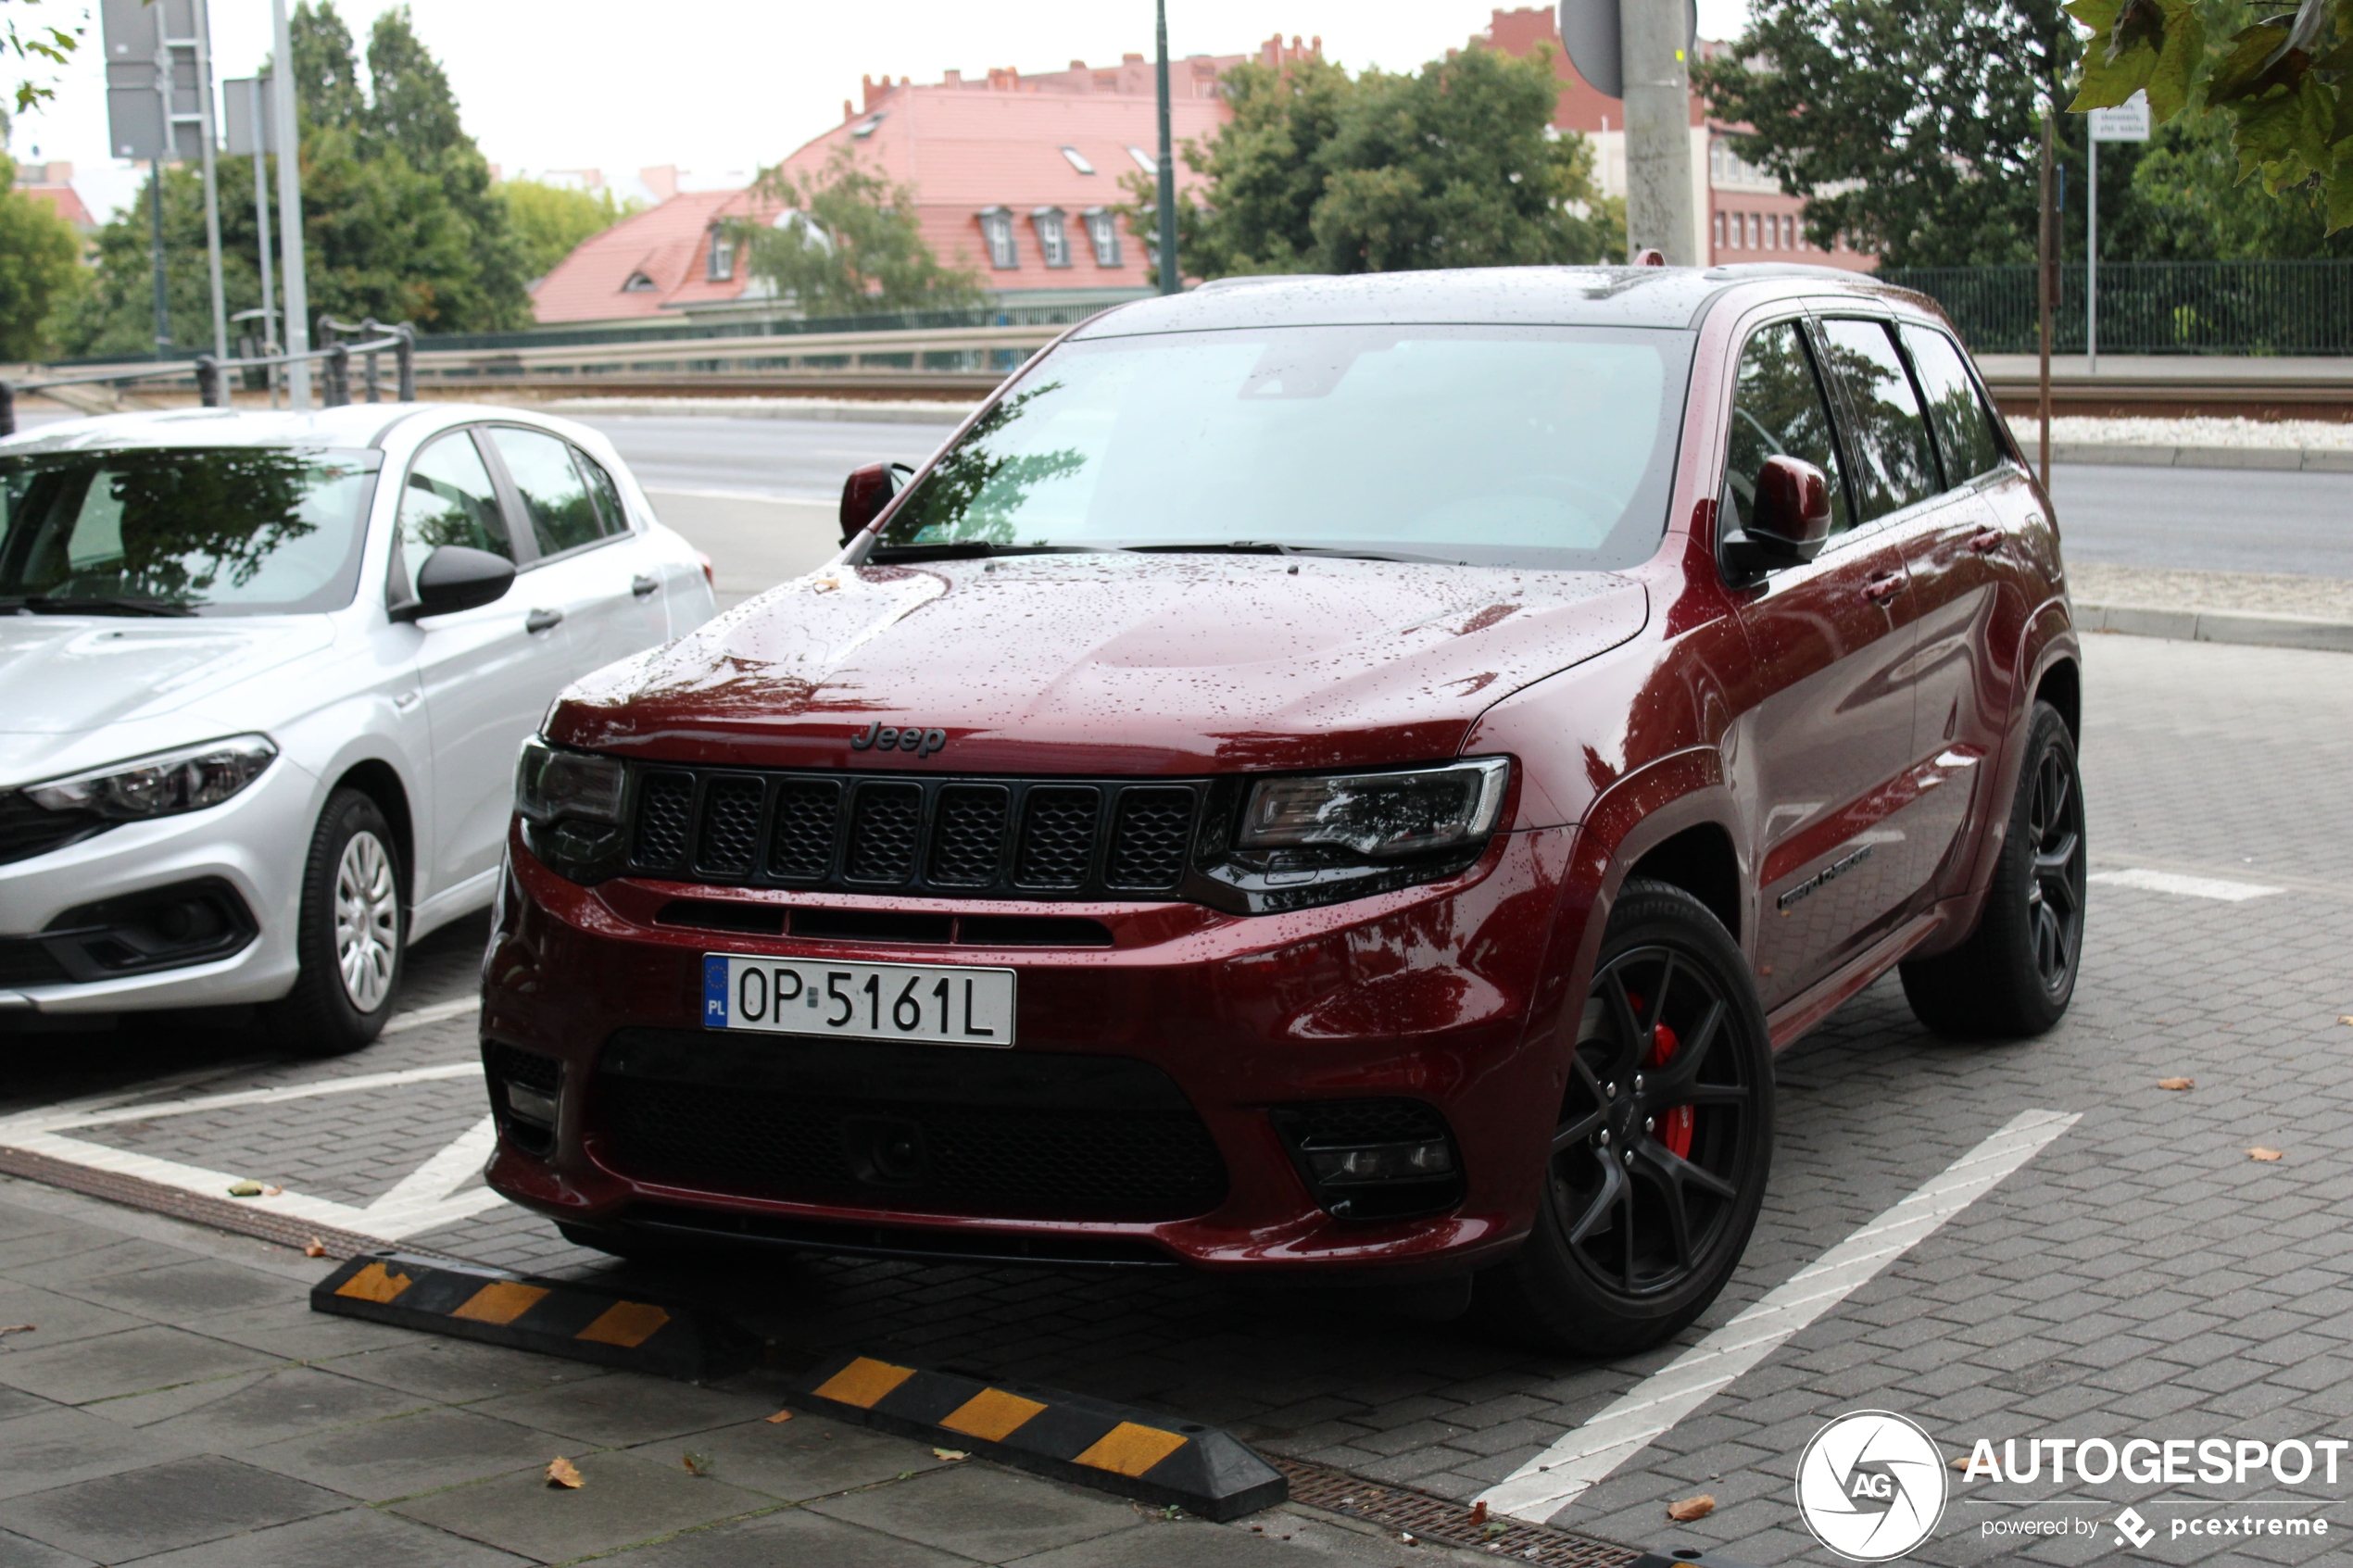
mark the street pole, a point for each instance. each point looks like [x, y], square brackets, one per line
[1654, 38]
[2092, 252]
[289, 145]
[155, 218]
[1169, 282]
[261, 222]
[211, 186]
[2045, 278]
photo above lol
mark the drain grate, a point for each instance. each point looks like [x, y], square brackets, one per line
[1428, 1518]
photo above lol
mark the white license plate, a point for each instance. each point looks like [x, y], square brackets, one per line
[864, 1001]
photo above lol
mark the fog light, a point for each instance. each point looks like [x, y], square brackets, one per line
[527, 1104]
[1380, 1162]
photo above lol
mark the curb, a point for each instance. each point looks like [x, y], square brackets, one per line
[2306, 459]
[1134, 1453]
[2196, 626]
[553, 1317]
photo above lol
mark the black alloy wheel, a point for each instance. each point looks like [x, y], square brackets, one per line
[1658, 1162]
[2015, 973]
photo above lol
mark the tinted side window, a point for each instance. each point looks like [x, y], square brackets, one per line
[608, 506]
[1897, 467]
[1965, 432]
[1778, 410]
[449, 500]
[563, 516]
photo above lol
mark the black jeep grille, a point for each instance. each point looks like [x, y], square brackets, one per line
[957, 836]
[939, 1128]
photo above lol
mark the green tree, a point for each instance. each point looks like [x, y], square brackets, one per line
[548, 221]
[30, 40]
[1911, 129]
[399, 222]
[40, 268]
[1454, 165]
[849, 244]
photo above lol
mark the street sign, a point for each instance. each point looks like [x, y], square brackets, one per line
[1590, 31]
[246, 118]
[153, 55]
[2129, 121]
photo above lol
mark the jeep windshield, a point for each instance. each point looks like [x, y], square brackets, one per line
[184, 530]
[1543, 446]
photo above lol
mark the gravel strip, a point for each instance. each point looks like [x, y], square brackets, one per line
[2075, 429]
[2323, 598]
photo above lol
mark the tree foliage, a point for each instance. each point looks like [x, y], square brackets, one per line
[2282, 85]
[847, 243]
[1912, 130]
[30, 40]
[400, 222]
[40, 268]
[549, 221]
[1456, 165]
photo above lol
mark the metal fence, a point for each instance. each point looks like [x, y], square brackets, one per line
[2264, 308]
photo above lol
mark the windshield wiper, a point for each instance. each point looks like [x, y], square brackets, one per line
[969, 549]
[43, 604]
[1260, 548]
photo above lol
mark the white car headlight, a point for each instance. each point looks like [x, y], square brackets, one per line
[162, 785]
[1381, 816]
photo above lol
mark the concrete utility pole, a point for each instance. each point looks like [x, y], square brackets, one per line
[203, 42]
[1655, 40]
[289, 145]
[1169, 282]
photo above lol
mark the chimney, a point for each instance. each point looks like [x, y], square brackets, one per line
[951, 79]
[662, 179]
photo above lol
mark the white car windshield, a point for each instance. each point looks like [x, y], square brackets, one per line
[1488, 445]
[184, 530]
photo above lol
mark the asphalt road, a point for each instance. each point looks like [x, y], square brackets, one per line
[795, 460]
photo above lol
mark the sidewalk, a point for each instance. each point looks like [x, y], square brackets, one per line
[2214, 606]
[170, 1399]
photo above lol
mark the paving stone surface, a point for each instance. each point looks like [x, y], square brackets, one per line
[2140, 1277]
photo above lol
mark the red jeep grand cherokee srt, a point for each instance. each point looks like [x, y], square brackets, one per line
[1340, 778]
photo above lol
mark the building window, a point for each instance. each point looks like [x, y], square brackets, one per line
[1755, 239]
[869, 125]
[720, 267]
[997, 231]
[1772, 232]
[1720, 231]
[639, 283]
[1078, 160]
[1145, 161]
[1102, 233]
[1053, 239]
[1789, 233]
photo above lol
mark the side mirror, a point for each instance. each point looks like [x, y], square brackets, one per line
[865, 494]
[1790, 521]
[456, 577]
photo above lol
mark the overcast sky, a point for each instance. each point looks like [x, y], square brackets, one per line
[718, 86]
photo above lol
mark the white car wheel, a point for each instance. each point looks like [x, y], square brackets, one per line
[366, 920]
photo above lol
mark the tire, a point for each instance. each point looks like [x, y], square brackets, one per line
[1662, 1149]
[2016, 974]
[352, 935]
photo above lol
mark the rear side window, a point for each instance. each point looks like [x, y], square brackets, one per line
[555, 493]
[1965, 432]
[607, 493]
[1897, 465]
[449, 500]
[1778, 410]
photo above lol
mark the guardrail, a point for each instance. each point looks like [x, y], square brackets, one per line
[211, 374]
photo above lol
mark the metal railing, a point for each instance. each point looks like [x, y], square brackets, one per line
[2239, 307]
[211, 374]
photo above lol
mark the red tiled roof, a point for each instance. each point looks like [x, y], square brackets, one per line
[669, 244]
[63, 200]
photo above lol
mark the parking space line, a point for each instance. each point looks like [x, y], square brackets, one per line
[440, 1012]
[2183, 886]
[1547, 1484]
[51, 1119]
[430, 1185]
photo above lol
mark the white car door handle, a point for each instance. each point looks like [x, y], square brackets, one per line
[408, 700]
[643, 583]
[543, 619]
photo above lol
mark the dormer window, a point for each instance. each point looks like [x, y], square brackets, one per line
[997, 232]
[639, 283]
[1103, 234]
[868, 126]
[721, 266]
[1145, 160]
[1078, 160]
[1054, 238]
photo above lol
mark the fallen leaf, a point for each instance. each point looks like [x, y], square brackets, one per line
[2347, 1018]
[274, 1192]
[2266, 1155]
[1478, 1512]
[698, 1464]
[314, 1247]
[1689, 1509]
[562, 1472]
[2176, 1083]
[17, 1328]
[1958, 1461]
[244, 1189]
[780, 1417]
[950, 1454]
[1493, 1528]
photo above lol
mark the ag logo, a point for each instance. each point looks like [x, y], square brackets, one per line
[1870, 1486]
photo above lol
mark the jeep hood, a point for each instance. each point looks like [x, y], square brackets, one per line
[1108, 662]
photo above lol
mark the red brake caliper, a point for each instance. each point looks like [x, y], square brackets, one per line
[1674, 1128]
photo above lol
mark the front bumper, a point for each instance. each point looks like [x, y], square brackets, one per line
[249, 846]
[1450, 995]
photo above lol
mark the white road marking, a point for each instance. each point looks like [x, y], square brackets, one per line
[52, 1119]
[417, 1018]
[1553, 1480]
[433, 1182]
[2184, 886]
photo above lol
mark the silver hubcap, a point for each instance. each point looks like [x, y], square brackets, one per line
[366, 920]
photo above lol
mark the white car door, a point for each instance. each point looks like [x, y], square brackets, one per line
[487, 674]
[593, 566]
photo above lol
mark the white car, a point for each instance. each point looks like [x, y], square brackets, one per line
[263, 679]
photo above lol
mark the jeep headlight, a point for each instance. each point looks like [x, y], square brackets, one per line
[570, 803]
[164, 785]
[1321, 838]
